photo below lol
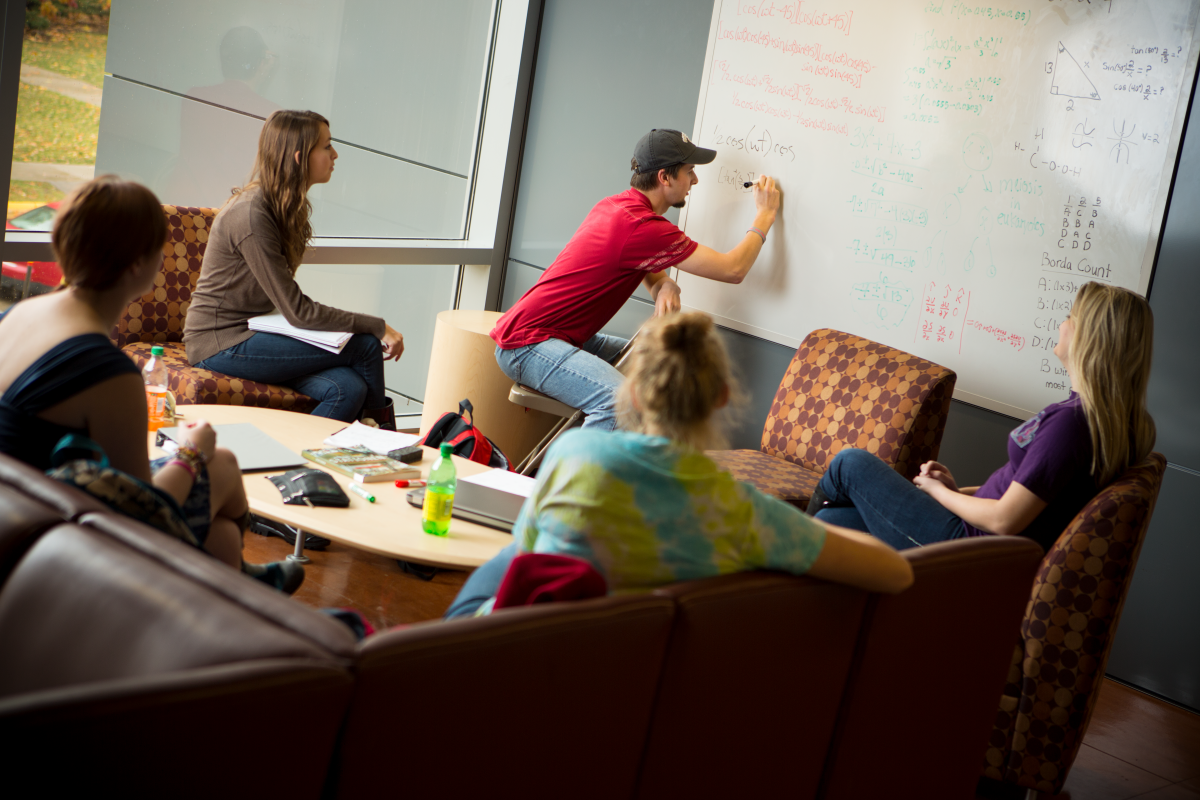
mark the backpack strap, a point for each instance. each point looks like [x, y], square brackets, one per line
[464, 408]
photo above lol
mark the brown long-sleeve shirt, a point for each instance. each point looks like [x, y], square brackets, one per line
[244, 275]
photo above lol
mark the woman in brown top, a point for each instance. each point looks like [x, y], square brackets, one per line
[249, 269]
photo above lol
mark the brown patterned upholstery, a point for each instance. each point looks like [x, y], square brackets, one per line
[157, 318]
[1069, 624]
[842, 390]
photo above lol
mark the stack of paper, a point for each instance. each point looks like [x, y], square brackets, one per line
[333, 341]
[374, 439]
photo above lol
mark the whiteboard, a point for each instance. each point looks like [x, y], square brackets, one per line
[952, 171]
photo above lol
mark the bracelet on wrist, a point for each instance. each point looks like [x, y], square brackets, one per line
[761, 235]
[188, 468]
[190, 455]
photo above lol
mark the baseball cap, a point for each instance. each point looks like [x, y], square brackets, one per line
[663, 147]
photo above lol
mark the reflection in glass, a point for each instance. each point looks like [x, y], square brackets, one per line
[247, 67]
[400, 81]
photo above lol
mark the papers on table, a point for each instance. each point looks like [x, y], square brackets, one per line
[333, 341]
[374, 439]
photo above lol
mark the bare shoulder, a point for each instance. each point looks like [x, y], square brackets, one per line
[33, 327]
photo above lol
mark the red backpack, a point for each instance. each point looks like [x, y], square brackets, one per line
[465, 439]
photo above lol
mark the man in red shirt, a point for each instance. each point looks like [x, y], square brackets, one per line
[550, 341]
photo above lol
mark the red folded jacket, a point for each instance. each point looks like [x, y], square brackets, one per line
[545, 578]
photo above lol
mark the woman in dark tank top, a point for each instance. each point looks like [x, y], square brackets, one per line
[61, 374]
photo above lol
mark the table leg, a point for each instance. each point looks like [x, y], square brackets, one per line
[298, 555]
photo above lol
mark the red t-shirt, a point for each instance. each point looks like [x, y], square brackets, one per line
[620, 241]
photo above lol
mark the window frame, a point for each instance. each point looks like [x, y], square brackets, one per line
[480, 254]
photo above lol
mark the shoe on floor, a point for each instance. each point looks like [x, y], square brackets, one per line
[286, 575]
[265, 527]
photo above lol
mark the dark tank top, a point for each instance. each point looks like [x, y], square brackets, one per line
[60, 373]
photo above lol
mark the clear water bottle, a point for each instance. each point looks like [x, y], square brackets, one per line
[155, 377]
[439, 494]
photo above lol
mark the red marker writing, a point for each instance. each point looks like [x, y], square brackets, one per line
[412, 483]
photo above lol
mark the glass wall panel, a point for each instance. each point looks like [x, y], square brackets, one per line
[407, 297]
[606, 74]
[191, 83]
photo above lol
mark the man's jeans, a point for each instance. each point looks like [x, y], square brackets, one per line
[342, 383]
[583, 378]
[867, 495]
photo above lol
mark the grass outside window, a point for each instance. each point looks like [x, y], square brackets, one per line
[76, 54]
[52, 129]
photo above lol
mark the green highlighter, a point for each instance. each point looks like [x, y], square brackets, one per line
[363, 493]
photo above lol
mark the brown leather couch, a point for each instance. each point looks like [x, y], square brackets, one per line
[133, 661]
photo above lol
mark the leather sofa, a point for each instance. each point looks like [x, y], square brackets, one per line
[133, 661]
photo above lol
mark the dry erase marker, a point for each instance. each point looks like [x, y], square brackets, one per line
[747, 184]
[405, 484]
[363, 493]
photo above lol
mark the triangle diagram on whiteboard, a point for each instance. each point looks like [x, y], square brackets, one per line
[1069, 79]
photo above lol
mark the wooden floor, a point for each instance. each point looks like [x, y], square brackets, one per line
[374, 585]
[1136, 746]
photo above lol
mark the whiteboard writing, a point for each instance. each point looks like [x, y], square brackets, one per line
[952, 171]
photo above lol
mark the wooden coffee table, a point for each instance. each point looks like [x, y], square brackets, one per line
[389, 526]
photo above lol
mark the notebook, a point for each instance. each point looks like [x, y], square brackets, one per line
[333, 341]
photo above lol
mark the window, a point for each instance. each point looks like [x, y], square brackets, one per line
[421, 98]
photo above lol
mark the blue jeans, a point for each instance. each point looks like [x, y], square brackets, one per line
[582, 377]
[343, 384]
[867, 495]
[482, 584]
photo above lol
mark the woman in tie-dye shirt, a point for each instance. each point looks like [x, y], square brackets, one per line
[646, 507]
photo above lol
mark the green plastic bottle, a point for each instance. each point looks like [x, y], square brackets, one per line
[439, 494]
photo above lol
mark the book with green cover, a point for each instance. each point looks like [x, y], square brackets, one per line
[361, 464]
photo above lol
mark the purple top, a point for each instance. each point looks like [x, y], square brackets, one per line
[1051, 456]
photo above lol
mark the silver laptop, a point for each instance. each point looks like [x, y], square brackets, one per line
[255, 450]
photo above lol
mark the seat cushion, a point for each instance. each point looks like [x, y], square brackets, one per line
[789, 482]
[196, 386]
[842, 390]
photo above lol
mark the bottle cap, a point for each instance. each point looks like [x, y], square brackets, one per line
[156, 350]
[446, 450]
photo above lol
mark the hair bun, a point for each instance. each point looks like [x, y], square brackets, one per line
[684, 332]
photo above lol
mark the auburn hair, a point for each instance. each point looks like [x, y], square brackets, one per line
[284, 182]
[103, 228]
[1109, 356]
[679, 376]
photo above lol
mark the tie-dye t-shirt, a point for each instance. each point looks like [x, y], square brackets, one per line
[646, 512]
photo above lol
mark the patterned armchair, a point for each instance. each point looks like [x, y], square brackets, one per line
[1067, 632]
[843, 391]
[157, 319]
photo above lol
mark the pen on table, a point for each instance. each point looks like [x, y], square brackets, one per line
[363, 493]
[409, 483]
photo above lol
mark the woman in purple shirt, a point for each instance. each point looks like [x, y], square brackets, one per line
[1057, 461]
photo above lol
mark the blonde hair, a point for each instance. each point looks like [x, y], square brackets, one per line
[283, 182]
[103, 228]
[1110, 355]
[679, 375]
